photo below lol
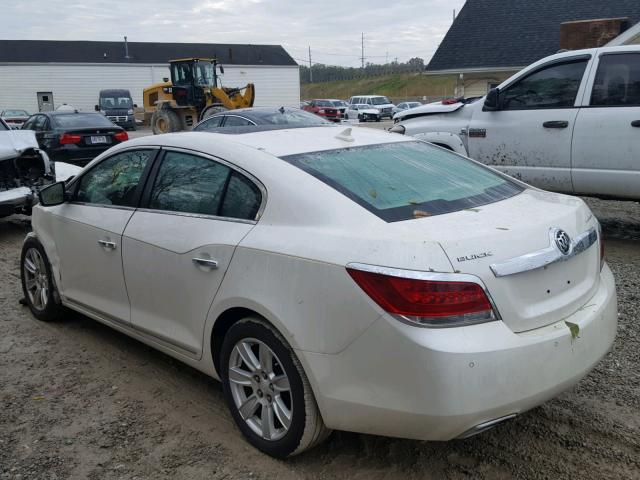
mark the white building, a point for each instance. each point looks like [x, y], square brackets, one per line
[38, 74]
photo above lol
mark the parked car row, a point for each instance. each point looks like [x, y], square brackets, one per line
[363, 108]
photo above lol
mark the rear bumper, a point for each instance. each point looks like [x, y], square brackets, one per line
[438, 384]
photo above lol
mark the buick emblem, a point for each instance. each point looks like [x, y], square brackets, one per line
[563, 241]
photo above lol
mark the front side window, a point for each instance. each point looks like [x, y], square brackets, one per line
[555, 86]
[114, 181]
[188, 183]
[401, 181]
[617, 82]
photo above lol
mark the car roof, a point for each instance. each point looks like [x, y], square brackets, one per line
[368, 96]
[115, 91]
[279, 143]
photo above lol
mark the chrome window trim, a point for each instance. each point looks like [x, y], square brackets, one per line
[546, 256]
[197, 215]
[100, 205]
[429, 276]
[240, 170]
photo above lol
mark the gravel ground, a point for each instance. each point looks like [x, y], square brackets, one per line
[78, 400]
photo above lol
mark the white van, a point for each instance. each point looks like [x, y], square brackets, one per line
[382, 103]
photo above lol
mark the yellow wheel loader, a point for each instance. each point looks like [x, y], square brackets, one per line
[194, 93]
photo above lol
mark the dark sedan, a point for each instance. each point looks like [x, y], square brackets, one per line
[246, 118]
[74, 137]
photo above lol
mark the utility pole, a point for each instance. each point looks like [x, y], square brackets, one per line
[362, 57]
[310, 67]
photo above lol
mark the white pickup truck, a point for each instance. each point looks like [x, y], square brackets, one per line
[569, 123]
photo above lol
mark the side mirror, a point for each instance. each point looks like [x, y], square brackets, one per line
[221, 69]
[492, 100]
[135, 105]
[52, 195]
[97, 108]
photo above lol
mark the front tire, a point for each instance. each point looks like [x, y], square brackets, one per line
[267, 390]
[38, 286]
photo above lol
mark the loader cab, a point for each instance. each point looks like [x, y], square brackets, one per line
[192, 80]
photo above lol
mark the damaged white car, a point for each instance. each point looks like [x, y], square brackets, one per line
[24, 168]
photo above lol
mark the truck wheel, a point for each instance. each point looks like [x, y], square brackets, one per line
[360, 119]
[165, 121]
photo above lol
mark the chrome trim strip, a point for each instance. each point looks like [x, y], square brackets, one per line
[432, 276]
[546, 256]
[197, 215]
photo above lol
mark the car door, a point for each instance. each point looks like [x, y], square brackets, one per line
[88, 232]
[177, 248]
[606, 138]
[529, 136]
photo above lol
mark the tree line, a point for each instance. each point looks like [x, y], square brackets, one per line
[328, 73]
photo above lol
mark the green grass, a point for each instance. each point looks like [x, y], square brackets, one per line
[397, 87]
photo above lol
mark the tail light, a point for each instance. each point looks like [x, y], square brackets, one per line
[68, 138]
[121, 136]
[424, 299]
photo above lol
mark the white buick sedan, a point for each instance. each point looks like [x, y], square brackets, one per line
[331, 279]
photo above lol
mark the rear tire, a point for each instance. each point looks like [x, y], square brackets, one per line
[272, 388]
[38, 286]
[165, 121]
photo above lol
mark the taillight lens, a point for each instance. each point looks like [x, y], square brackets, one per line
[68, 138]
[429, 303]
[121, 136]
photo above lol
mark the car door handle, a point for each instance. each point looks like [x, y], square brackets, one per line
[635, 123]
[206, 262]
[107, 245]
[556, 124]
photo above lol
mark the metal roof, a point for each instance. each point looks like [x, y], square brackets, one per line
[62, 51]
[494, 33]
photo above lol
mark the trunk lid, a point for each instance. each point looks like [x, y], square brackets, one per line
[478, 238]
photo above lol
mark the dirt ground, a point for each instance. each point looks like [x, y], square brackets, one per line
[78, 400]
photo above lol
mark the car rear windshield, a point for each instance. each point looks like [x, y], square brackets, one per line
[401, 181]
[82, 120]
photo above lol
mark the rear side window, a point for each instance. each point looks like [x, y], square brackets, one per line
[555, 86]
[401, 181]
[210, 124]
[235, 121]
[617, 82]
[192, 184]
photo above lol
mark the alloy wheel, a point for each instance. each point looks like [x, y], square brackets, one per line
[260, 389]
[36, 280]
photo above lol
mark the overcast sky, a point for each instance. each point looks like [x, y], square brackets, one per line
[392, 28]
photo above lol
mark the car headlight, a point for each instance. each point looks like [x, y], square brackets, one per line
[103, 112]
[130, 111]
[397, 129]
[321, 111]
